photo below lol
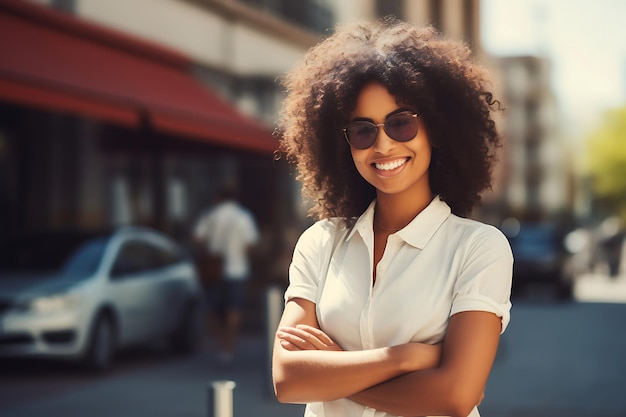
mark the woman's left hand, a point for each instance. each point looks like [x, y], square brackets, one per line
[304, 337]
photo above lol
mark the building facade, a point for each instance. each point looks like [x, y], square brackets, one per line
[237, 49]
[90, 147]
[134, 112]
[538, 174]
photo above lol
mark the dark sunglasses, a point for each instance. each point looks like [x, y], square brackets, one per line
[401, 127]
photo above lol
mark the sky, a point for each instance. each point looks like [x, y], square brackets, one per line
[584, 40]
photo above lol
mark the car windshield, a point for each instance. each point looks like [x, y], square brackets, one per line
[535, 241]
[85, 261]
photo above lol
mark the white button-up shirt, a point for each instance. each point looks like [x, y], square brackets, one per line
[437, 266]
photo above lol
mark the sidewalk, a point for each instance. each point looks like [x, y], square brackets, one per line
[600, 288]
[253, 394]
[176, 388]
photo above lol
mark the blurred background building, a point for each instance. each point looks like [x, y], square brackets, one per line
[120, 112]
[116, 112]
[538, 167]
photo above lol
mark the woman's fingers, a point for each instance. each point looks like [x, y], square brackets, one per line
[305, 337]
[298, 338]
[326, 342]
[288, 345]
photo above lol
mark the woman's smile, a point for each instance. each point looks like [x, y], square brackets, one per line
[391, 167]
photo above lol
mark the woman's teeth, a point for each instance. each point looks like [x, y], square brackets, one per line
[388, 166]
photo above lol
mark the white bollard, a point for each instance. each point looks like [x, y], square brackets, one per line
[221, 398]
[275, 305]
[274, 310]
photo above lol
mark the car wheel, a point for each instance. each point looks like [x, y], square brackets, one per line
[565, 290]
[186, 337]
[101, 348]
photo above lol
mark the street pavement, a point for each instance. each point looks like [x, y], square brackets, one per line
[556, 359]
[560, 359]
[600, 288]
[176, 388]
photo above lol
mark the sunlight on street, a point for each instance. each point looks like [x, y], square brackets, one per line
[600, 288]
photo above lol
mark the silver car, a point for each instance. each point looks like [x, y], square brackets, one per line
[130, 287]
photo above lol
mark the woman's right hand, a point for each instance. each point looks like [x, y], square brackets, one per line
[304, 337]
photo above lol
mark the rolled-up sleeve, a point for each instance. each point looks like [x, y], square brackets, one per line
[311, 253]
[484, 283]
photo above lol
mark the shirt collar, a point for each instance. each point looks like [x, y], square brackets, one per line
[364, 222]
[424, 225]
[418, 232]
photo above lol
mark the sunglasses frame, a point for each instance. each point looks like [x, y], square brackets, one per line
[378, 126]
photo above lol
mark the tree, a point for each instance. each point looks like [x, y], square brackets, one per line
[606, 161]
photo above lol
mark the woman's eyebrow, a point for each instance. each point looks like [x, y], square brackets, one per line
[399, 110]
[393, 113]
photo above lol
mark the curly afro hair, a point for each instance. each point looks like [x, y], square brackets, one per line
[436, 77]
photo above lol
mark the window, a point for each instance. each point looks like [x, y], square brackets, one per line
[167, 256]
[314, 15]
[390, 7]
[68, 6]
[436, 14]
[85, 260]
[135, 257]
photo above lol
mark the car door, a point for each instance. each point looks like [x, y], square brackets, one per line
[173, 287]
[134, 289]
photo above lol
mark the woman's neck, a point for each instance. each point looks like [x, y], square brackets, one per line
[395, 211]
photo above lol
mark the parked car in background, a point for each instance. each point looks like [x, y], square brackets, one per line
[129, 287]
[539, 257]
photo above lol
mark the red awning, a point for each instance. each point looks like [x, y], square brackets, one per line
[52, 60]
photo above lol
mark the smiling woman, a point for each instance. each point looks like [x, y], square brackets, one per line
[395, 303]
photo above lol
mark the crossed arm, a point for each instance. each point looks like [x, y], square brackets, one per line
[409, 379]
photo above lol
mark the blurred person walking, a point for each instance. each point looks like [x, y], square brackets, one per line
[224, 236]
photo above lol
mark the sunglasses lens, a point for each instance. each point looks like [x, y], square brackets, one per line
[361, 135]
[402, 127]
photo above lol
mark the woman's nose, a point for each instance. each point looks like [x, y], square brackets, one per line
[383, 142]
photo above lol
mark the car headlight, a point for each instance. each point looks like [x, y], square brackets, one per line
[52, 303]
